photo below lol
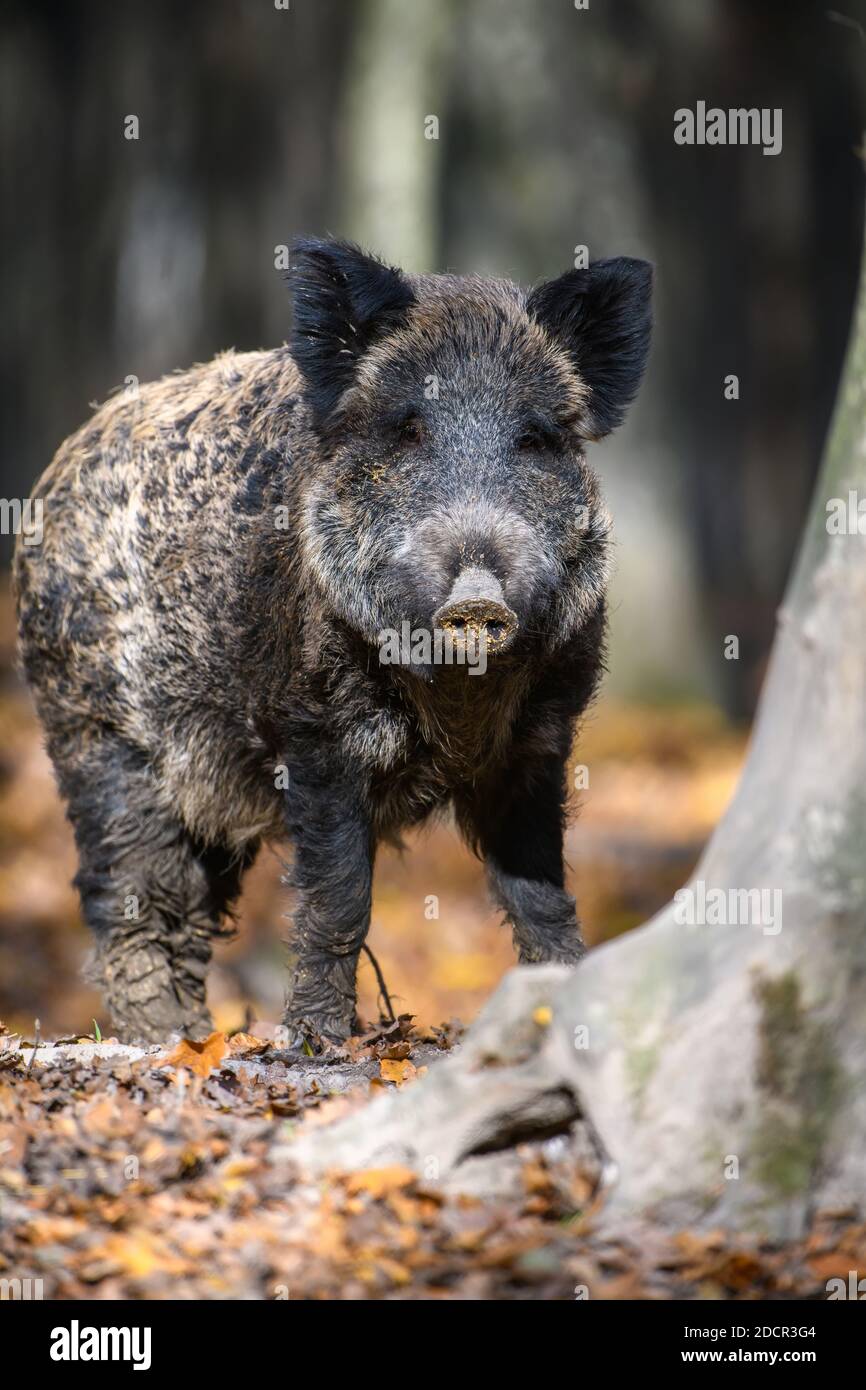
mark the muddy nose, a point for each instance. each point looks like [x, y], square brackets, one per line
[476, 610]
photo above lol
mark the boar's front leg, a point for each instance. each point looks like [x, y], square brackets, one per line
[518, 824]
[329, 826]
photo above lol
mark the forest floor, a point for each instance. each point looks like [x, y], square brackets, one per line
[168, 1173]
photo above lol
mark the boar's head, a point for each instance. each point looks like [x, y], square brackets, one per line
[451, 487]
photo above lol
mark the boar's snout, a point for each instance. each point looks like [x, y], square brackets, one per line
[475, 610]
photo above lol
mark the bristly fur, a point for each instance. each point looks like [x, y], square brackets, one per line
[200, 624]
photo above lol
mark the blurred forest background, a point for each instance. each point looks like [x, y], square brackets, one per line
[258, 121]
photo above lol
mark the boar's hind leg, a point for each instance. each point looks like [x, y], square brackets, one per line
[518, 827]
[152, 896]
[332, 874]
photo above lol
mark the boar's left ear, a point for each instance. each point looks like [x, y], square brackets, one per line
[343, 300]
[602, 317]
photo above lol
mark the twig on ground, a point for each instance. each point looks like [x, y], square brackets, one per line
[35, 1043]
[384, 996]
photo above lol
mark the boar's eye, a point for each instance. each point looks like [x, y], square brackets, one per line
[411, 430]
[538, 438]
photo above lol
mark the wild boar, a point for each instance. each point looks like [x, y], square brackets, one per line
[223, 552]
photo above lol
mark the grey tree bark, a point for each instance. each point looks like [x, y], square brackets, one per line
[719, 1052]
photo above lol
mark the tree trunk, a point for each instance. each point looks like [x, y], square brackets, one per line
[726, 1066]
[719, 1052]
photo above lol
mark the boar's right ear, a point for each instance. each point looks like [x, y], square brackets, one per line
[343, 300]
[602, 317]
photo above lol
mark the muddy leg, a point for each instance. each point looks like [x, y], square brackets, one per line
[153, 897]
[519, 828]
[332, 874]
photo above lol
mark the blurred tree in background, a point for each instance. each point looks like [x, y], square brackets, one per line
[555, 130]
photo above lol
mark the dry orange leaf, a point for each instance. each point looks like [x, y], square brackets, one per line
[371, 1266]
[830, 1265]
[140, 1254]
[53, 1230]
[536, 1178]
[198, 1057]
[397, 1071]
[104, 1119]
[154, 1150]
[13, 1143]
[380, 1181]
[469, 1241]
[246, 1042]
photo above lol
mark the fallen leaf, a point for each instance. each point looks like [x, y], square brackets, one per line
[399, 1072]
[247, 1043]
[198, 1057]
[139, 1254]
[380, 1181]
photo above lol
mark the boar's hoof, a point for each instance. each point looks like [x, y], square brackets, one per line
[301, 1034]
[149, 998]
